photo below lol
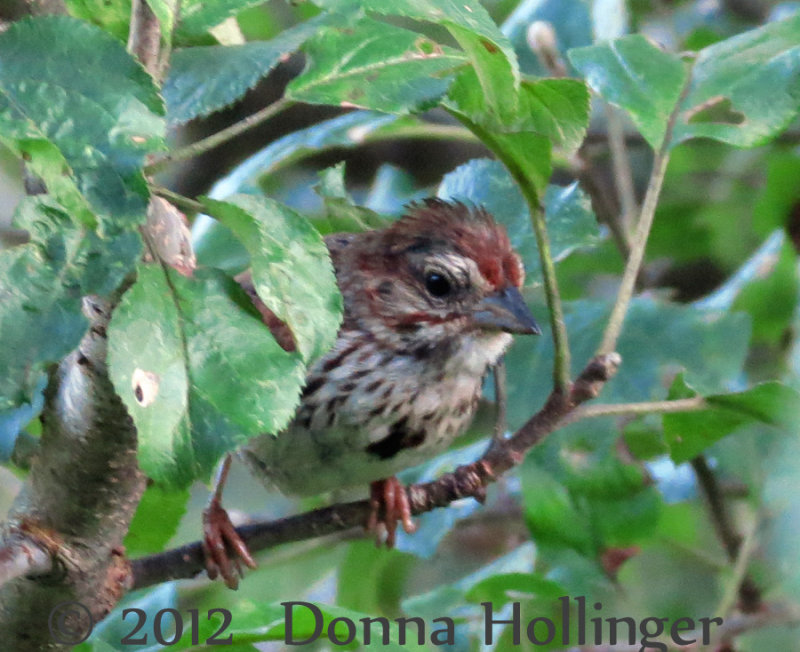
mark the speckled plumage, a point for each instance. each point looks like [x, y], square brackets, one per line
[404, 376]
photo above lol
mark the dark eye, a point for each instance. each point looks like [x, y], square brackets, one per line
[437, 284]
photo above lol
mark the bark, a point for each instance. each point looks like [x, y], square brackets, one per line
[79, 498]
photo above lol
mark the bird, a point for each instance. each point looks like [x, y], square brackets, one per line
[430, 304]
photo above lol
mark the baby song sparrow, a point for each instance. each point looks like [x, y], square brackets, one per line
[429, 305]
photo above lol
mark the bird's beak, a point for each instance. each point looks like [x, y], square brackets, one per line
[505, 310]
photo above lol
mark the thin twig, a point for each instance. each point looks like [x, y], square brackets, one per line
[623, 178]
[561, 362]
[144, 38]
[740, 577]
[180, 201]
[645, 407]
[642, 233]
[466, 481]
[718, 511]
[748, 592]
[212, 141]
[501, 399]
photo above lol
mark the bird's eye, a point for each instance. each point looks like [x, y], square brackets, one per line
[437, 284]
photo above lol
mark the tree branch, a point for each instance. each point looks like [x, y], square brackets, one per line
[75, 508]
[748, 591]
[623, 178]
[215, 139]
[470, 480]
[79, 497]
[144, 38]
[23, 556]
[642, 232]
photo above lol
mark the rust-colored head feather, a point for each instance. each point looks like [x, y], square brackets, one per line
[470, 230]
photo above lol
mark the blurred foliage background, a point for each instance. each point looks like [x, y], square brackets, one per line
[600, 509]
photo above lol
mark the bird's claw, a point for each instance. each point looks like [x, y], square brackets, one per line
[389, 496]
[223, 548]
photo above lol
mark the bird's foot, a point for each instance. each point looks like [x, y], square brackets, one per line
[223, 548]
[390, 498]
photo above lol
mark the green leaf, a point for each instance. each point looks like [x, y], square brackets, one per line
[746, 89]
[608, 503]
[555, 108]
[551, 112]
[112, 17]
[496, 74]
[292, 270]
[780, 535]
[689, 433]
[41, 285]
[636, 75]
[204, 79]
[93, 264]
[553, 517]
[372, 579]
[447, 599]
[156, 520]
[458, 16]
[197, 370]
[375, 66]
[511, 587]
[570, 221]
[40, 318]
[742, 91]
[199, 16]
[214, 244]
[340, 212]
[71, 84]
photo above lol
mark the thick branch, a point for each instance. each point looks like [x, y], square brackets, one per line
[79, 497]
[466, 481]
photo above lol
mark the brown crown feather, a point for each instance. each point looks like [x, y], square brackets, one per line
[472, 230]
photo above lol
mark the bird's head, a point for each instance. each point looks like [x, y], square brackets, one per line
[441, 271]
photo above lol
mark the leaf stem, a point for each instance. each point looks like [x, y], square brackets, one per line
[180, 201]
[740, 576]
[623, 178]
[561, 362]
[642, 233]
[638, 244]
[645, 407]
[212, 141]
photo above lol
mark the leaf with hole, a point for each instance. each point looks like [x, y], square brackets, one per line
[198, 371]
